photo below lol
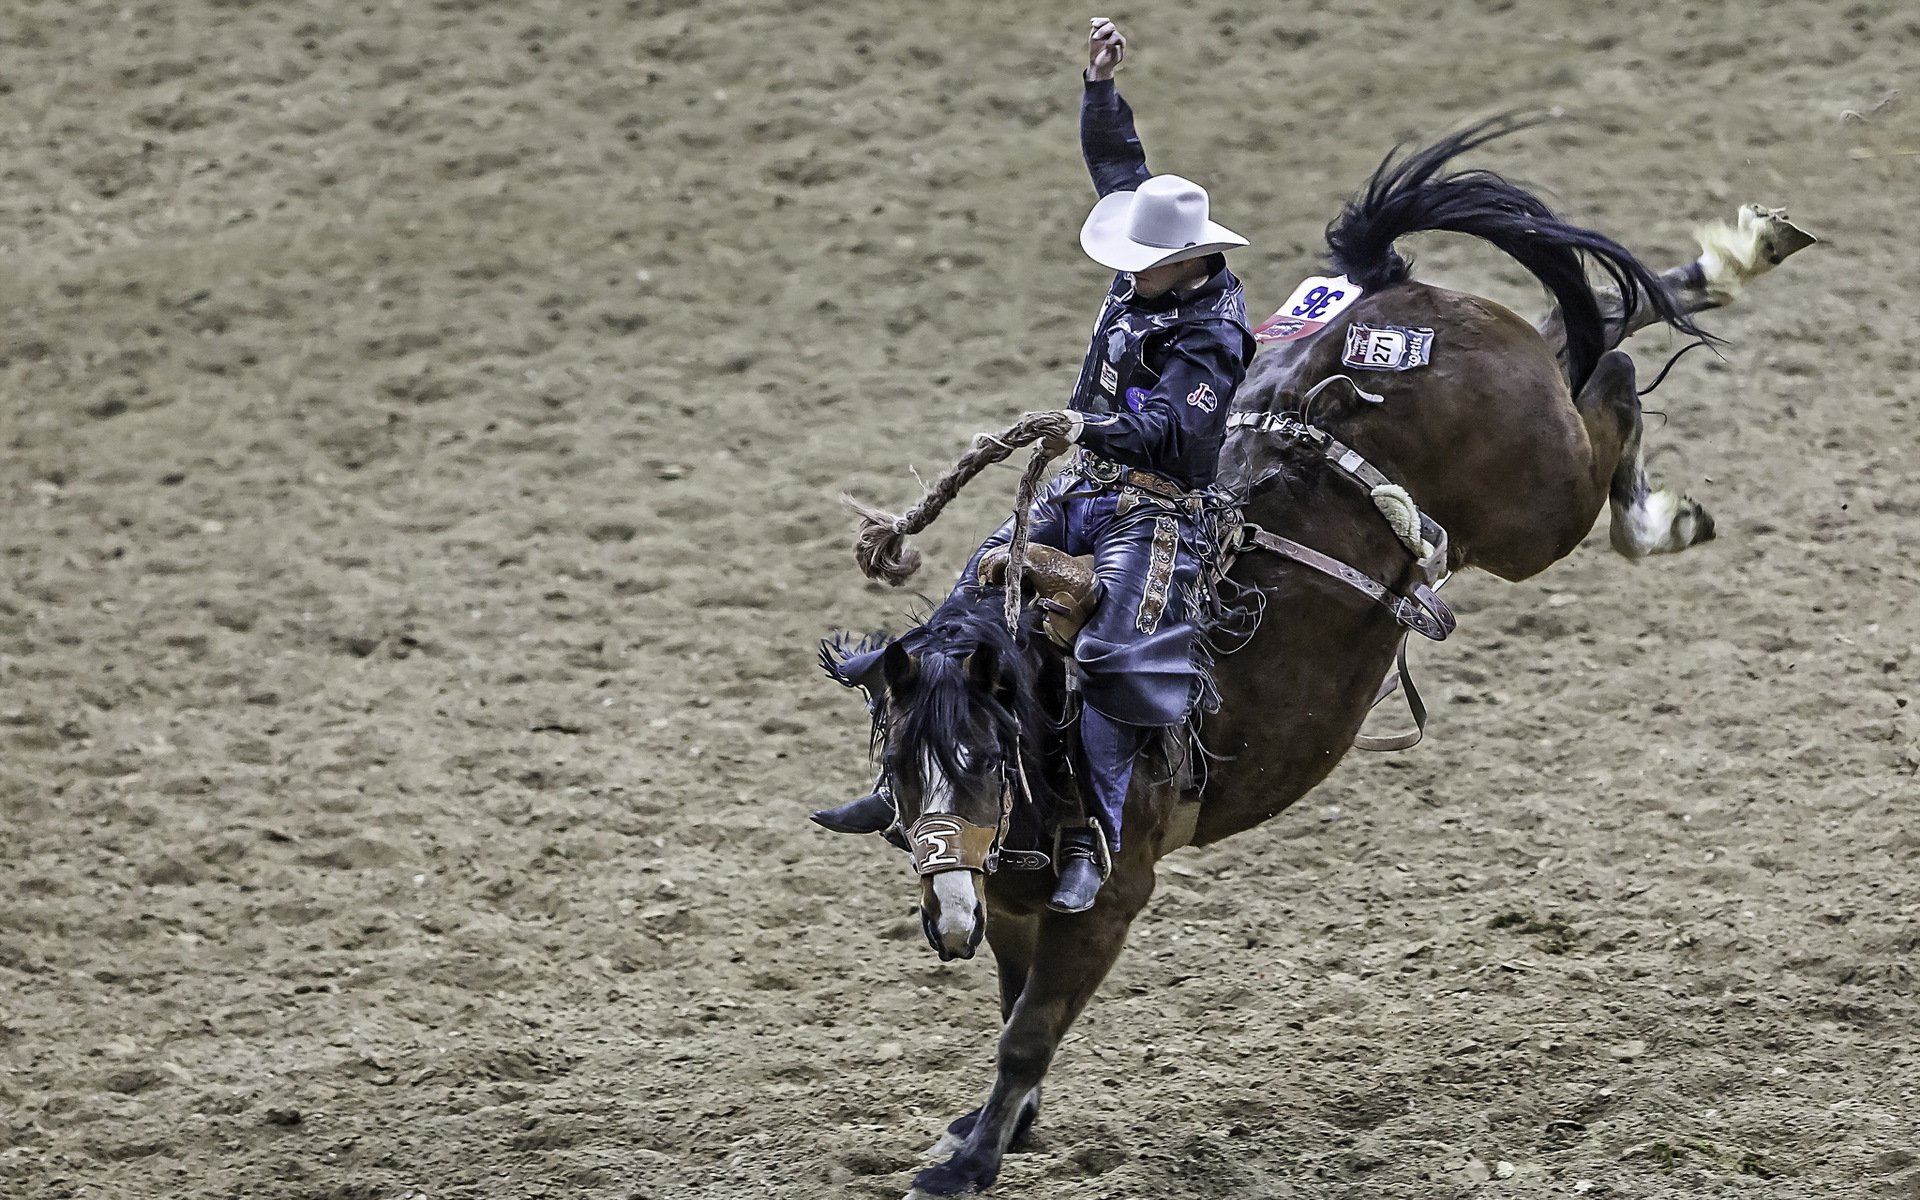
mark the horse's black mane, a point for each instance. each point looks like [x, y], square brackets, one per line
[944, 710]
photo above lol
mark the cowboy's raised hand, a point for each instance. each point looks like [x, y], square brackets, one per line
[1106, 46]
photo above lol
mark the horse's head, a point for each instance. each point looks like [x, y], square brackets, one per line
[952, 701]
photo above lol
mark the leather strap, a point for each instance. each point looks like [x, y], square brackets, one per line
[1025, 860]
[1106, 471]
[1401, 680]
[1423, 612]
[1353, 464]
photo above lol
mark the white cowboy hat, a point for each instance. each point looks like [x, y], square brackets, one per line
[1165, 221]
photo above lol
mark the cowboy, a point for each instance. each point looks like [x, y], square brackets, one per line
[1149, 414]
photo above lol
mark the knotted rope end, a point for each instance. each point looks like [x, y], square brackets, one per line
[880, 544]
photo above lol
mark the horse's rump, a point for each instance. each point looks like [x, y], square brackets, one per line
[1484, 435]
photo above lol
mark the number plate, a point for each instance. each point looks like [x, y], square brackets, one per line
[1387, 347]
[1311, 308]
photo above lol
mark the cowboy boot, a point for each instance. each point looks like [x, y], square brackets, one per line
[1080, 863]
[871, 813]
[1085, 852]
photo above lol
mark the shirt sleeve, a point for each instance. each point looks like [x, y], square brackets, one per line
[1182, 422]
[1115, 158]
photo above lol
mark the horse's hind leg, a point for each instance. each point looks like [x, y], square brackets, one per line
[1731, 256]
[1071, 955]
[1645, 521]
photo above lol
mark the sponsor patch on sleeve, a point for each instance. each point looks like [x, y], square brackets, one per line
[1387, 347]
[1203, 398]
[1313, 305]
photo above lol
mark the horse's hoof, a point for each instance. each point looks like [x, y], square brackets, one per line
[953, 1178]
[1777, 236]
[1660, 522]
[1703, 526]
[1692, 524]
[948, 1145]
[958, 1131]
[1732, 256]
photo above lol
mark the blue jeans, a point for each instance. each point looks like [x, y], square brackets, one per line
[1137, 661]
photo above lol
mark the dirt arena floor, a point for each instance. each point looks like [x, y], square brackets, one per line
[423, 422]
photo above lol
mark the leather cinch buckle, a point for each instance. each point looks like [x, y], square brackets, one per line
[1431, 601]
[1025, 860]
[1425, 613]
[1246, 537]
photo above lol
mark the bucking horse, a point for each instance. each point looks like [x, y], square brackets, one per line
[1390, 432]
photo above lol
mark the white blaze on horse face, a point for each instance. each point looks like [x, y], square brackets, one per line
[939, 788]
[954, 894]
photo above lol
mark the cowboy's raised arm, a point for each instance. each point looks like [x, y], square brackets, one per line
[1112, 149]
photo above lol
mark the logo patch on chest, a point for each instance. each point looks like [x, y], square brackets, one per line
[1387, 347]
[1203, 398]
[1109, 377]
[1311, 308]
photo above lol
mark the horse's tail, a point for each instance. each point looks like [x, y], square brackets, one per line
[1415, 193]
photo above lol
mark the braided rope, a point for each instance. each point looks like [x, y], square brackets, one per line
[880, 543]
[1030, 481]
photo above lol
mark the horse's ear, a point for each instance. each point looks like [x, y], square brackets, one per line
[898, 668]
[853, 661]
[983, 669]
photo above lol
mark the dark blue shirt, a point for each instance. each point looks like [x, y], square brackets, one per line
[1177, 427]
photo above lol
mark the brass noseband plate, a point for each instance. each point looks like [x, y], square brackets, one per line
[944, 842]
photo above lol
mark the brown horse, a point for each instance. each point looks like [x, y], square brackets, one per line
[1512, 437]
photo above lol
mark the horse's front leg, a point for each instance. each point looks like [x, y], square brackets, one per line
[1071, 954]
[1013, 938]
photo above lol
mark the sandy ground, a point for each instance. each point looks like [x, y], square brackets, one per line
[422, 428]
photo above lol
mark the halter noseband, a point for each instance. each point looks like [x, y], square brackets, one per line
[947, 842]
